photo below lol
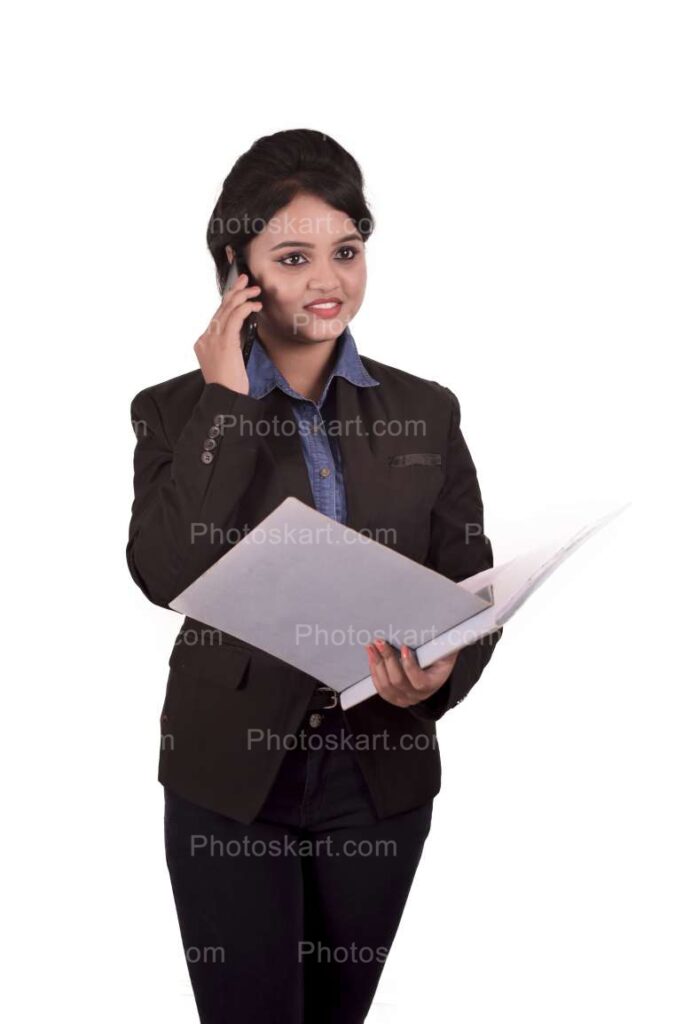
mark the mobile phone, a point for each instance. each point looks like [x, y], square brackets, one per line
[237, 267]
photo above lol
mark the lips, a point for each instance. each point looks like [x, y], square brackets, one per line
[325, 309]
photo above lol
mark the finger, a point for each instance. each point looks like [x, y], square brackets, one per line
[379, 675]
[229, 294]
[394, 666]
[377, 671]
[240, 286]
[232, 298]
[233, 302]
[237, 313]
[417, 677]
[388, 656]
[393, 673]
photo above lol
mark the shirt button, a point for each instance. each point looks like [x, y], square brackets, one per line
[315, 719]
[325, 471]
[207, 457]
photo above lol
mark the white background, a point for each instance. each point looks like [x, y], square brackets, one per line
[523, 163]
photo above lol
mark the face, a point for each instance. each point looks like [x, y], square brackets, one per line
[307, 254]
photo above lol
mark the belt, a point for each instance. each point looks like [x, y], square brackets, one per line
[324, 698]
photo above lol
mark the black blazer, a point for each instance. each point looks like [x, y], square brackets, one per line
[194, 500]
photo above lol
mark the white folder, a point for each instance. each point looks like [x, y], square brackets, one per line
[313, 592]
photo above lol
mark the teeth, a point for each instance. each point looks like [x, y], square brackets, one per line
[324, 305]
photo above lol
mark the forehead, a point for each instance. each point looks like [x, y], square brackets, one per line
[306, 218]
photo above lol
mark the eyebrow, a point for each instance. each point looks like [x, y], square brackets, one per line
[309, 245]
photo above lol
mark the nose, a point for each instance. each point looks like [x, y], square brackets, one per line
[323, 283]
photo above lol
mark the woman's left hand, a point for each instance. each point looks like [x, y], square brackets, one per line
[401, 681]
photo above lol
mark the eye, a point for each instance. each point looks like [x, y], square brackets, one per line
[352, 249]
[292, 256]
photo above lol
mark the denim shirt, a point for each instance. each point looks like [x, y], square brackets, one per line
[321, 453]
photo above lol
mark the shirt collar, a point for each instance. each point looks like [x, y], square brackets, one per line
[264, 375]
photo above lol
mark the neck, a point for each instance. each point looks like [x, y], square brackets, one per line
[304, 365]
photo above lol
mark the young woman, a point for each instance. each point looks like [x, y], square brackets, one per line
[293, 829]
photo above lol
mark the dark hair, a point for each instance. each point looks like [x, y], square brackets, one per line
[269, 175]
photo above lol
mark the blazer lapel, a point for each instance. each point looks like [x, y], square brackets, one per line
[285, 445]
[364, 474]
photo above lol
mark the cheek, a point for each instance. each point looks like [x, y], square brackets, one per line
[356, 280]
[359, 290]
[277, 293]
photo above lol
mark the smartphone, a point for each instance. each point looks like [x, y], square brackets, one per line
[237, 267]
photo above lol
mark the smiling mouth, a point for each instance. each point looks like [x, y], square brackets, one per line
[324, 309]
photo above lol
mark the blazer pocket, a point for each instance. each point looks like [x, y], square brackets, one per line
[225, 664]
[416, 459]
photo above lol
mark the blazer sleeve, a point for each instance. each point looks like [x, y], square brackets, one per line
[185, 511]
[458, 549]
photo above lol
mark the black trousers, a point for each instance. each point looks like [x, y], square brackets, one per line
[289, 919]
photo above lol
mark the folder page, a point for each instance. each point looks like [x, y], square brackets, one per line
[510, 584]
[312, 592]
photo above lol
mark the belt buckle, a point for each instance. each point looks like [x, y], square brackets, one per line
[335, 697]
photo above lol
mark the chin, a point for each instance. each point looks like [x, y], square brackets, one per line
[323, 330]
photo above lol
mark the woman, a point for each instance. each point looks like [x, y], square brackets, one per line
[293, 829]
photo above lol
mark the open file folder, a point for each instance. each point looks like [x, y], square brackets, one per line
[312, 591]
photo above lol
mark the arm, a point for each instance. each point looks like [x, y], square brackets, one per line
[458, 549]
[184, 506]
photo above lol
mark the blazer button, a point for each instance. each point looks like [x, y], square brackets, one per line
[214, 431]
[315, 719]
[210, 444]
[207, 457]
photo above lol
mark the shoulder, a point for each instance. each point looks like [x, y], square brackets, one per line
[410, 389]
[172, 400]
[177, 394]
[173, 391]
[169, 404]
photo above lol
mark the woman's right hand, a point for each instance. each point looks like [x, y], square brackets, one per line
[219, 350]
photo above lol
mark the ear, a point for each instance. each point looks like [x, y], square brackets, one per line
[230, 253]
